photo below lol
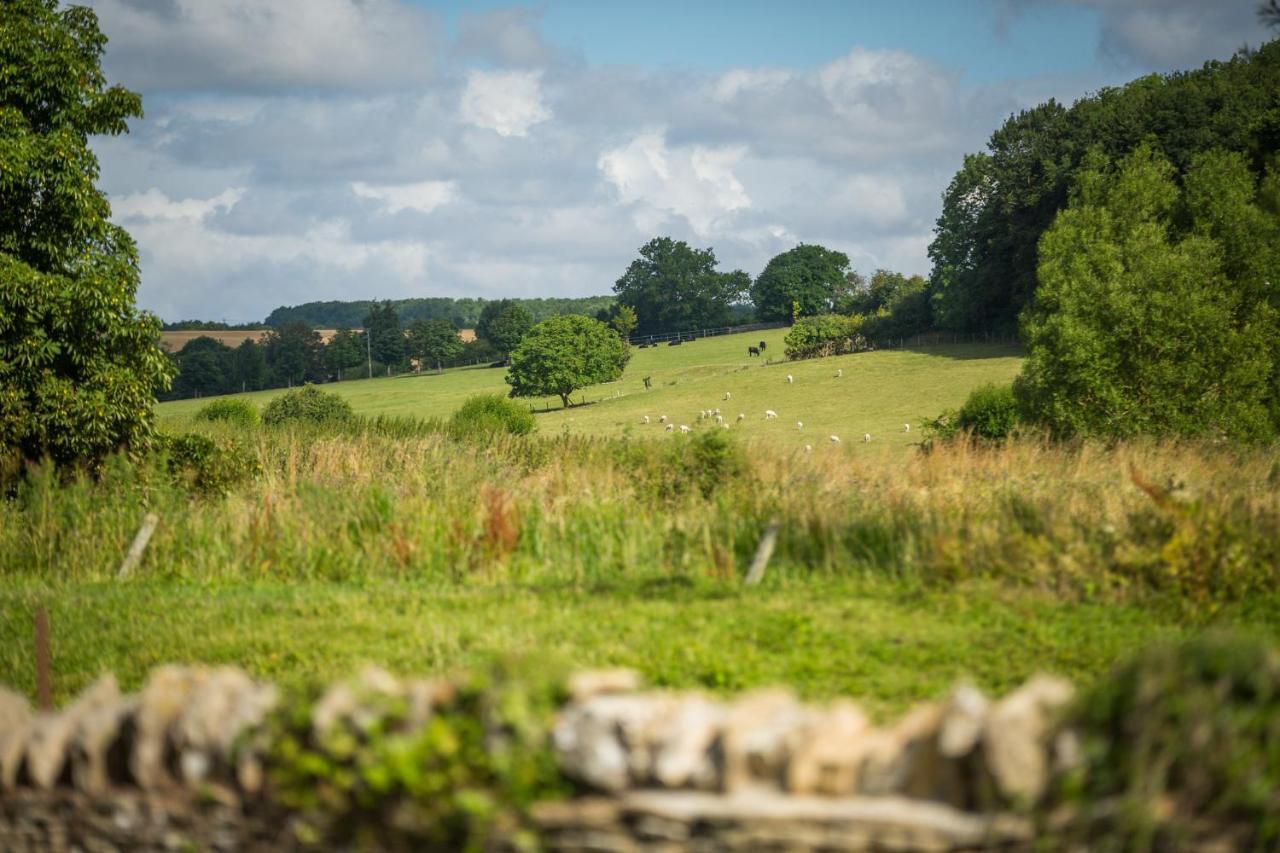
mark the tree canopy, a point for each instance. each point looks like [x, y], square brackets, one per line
[1156, 311]
[809, 276]
[673, 287]
[563, 354]
[80, 367]
[508, 328]
[434, 342]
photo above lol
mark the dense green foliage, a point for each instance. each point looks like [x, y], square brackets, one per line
[463, 313]
[563, 354]
[509, 328]
[489, 415]
[893, 305]
[990, 413]
[307, 405]
[80, 367]
[825, 335]
[807, 276]
[386, 335]
[207, 467]
[232, 410]
[434, 343]
[1002, 200]
[1181, 751]
[451, 768]
[1157, 309]
[673, 287]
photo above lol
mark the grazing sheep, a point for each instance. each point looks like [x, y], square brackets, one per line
[741, 416]
[808, 448]
[662, 420]
[719, 419]
[671, 427]
[906, 427]
[835, 439]
[684, 428]
[717, 412]
[726, 426]
[866, 436]
[799, 424]
[646, 418]
[839, 372]
[790, 379]
[770, 414]
[727, 395]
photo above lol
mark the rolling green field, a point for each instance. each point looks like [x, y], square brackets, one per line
[878, 393]
[896, 573]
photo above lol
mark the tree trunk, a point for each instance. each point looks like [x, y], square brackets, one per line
[564, 399]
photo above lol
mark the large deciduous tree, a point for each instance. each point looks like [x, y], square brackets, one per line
[673, 287]
[295, 353]
[1156, 310]
[563, 354]
[80, 367]
[434, 342]
[809, 276]
[387, 340]
[510, 326]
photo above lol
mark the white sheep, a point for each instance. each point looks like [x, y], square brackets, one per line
[770, 414]
[799, 424]
[866, 436]
[906, 427]
[835, 439]
[727, 395]
[719, 419]
[717, 413]
[684, 428]
[790, 379]
[808, 448]
[726, 426]
[662, 420]
[839, 372]
[742, 416]
[646, 419]
[670, 427]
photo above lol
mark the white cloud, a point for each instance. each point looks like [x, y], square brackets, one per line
[255, 45]
[424, 196]
[504, 36]
[695, 182]
[153, 205]
[873, 198]
[507, 102]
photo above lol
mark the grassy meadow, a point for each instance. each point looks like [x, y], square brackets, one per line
[600, 542]
[878, 393]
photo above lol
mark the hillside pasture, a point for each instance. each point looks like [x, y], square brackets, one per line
[878, 392]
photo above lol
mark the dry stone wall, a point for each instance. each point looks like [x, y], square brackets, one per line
[184, 764]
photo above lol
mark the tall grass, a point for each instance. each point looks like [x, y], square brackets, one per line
[387, 499]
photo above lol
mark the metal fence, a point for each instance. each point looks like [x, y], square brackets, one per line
[694, 334]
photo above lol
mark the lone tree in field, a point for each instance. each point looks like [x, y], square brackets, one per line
[1155, 311]
[563, 354]
[80, 367]
[673, 287]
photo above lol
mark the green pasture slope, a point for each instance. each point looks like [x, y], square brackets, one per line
[878, 393]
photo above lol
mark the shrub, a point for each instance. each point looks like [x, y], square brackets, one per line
[205, 466]
[1180, 745]
[307, 405]
[824, 335]
[230, 409]
[488, 415]
[990, 413]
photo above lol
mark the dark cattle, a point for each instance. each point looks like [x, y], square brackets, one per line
[674, 343]
[763, 346]
[753, 350]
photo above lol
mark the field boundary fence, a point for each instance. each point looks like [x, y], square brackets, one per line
[693, 334]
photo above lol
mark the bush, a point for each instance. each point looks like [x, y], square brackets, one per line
[824, 335]
[1181, 746]
[230, 409]
[990, 413]
[489, 415]
[307, 405]
[207, 467]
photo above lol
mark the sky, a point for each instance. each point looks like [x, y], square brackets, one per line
[301, 150]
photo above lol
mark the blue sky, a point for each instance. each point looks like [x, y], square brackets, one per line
[298, 150]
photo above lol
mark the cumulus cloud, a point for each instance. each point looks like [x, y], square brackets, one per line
[423, 196]
[507, 37]
[695, 182]
[506, 102]
[240, 45]
[153, 205]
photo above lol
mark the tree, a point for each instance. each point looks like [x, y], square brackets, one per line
[563, 354]
[434, 342]
[624, 321]
[808, 275]
[205, 366]
[250, 366]
[675, 288]
[1137, 326]
[344, 351]
[490, 312]
[387, 341]
[295, 353]
[80, 367]
[509, 327]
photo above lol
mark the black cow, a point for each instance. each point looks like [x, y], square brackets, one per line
[763, 346]
[753, 351]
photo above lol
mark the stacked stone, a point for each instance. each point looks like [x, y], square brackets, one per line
[677, 766]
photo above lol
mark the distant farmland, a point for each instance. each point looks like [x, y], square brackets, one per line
[175, 341]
